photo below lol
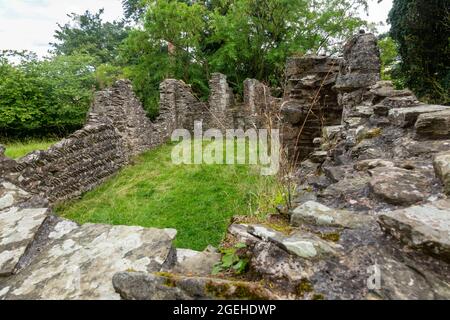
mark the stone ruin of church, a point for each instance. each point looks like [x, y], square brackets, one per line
[372, 192]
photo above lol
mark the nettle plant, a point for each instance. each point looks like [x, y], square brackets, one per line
[234, 260]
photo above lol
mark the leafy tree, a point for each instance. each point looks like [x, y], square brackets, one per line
[88, 34]
[44, 97]
[421, 29]
[240, 38]
[389, 57]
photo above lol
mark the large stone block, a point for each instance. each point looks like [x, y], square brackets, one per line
[435, 125]
[425, 227]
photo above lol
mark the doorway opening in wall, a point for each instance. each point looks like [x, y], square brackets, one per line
[197, 200]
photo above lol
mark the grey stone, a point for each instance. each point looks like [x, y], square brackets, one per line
[399, 186]
[372, 164]
[141, 286]
[81, 264]
[425, 227]
[190, 262]
[406, 117]
[435, 125]
[306, 246]
[442, 167]
[17, 230]
[320, 215]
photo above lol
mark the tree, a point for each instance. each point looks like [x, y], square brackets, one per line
[88, 34]
[421, 29]
[44, 97]
[389, 58]
[243, 39]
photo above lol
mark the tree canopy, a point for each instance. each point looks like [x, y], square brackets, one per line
[421, 29]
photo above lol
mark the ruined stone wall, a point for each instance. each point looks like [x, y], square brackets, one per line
[360, 69]
[120, 105]
[309, 102]
[179, 107]
[74, 165]
[117, 129]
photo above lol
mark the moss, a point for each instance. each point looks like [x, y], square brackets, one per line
[304, 286]
[218, 290]
[169, 281]
[374, 133]
[318, 296]
[331, 236]
[236, 290]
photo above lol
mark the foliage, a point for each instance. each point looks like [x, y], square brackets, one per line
[232, 260]
[197, 200]
[44, 97]
[389, 56]
[18, 149]
[243, 39]
[421, 29]
[88, 34]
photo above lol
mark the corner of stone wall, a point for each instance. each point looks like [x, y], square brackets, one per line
[360, 69]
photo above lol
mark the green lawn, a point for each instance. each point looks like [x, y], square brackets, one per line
[197, 200]
[18, 149]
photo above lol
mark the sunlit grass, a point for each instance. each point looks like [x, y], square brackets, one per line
[197, 200]
[18, 149]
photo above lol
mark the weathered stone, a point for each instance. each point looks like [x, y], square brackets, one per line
[190, 262]
[81, 264]
[17, 230]
[306, 246]
[320, 215]
[401, 102]
[425, 227]
[330, 132]
[435, 125]
[442, 167]
[399, 186]
[372, 164]
[406, 117]
[141, 286]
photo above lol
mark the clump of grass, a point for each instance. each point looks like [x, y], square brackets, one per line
[197, 200]
[18, 149]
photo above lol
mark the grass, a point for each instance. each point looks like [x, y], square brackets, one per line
[197, 200]
[18, 149]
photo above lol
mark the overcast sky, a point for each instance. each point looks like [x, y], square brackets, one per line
[30, 24]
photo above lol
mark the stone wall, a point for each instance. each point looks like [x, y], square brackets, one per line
[119, 105]
[116, 130]
[309, 102]
[360, 69]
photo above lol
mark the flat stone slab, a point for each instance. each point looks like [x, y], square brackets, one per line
[303, 245]
[317, 214]
[406, 117]
[425, 227]
[82, 263]
[435, 125]
[17, 230]
[399, 186]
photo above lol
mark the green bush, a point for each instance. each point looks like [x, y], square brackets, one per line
[45, 97]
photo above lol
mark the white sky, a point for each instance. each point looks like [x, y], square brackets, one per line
[30, 24]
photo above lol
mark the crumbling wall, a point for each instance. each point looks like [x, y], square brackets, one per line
[360, 69]
[120, 105]
[309, 102]
[179, 108]
[117, 129]
[74, 165]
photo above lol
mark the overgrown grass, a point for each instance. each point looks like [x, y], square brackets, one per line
[18, 149]
[197, 200]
